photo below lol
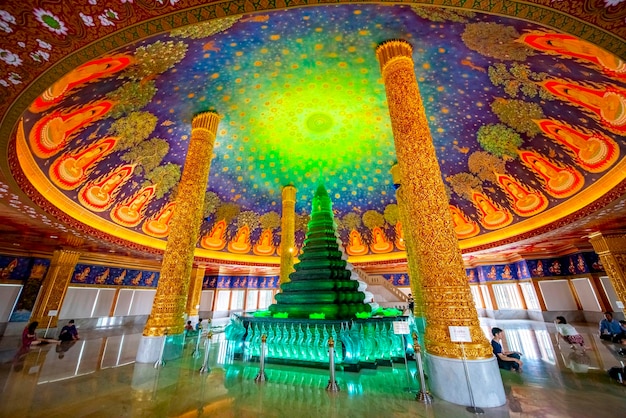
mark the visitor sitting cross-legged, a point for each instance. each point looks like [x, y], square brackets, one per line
[610, 329]
[507, 360]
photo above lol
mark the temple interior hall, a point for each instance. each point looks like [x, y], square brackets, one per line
[173, 161]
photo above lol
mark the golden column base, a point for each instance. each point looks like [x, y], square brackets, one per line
[288, 233]
[171, 295]
[436, 249]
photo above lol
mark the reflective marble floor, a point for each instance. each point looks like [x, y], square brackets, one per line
[97, 377]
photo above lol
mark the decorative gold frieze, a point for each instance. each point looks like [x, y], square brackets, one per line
[447, 296]
[171, 295]
[195, 291]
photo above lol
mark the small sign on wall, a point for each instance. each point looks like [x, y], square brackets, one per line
[619, 304]
[53, 312]
[400, 327]
[460, 334]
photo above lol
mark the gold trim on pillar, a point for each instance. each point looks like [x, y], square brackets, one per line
[54, 287]
[173, 287]
[288, 233]
[447, 295]
[415, 277]
[612, 251]
[195, 291]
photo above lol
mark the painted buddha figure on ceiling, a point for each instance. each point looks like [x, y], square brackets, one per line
[525, 202]
[594, 152]
[241, 243]
[159, 226]
[69, 171]
[98, 195]
[491, 216]
[380, 243]
[558, 181]
[462, 226]
[569, 45]
[609, 104]
[214, 240]
[53, 132]
[264, 245]
[131, 213]
[355, 244]
[90, 71]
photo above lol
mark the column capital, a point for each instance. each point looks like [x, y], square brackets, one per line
[205, 121]
[65, 256]
[606, 242]
[392, 49]
[289, 193]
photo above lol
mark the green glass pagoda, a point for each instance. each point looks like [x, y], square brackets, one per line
[321, 282]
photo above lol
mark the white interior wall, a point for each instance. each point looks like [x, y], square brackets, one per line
[124, 300]
[142, 302]
[78, 302]
[8, 297]
[103, 303]
[557, 295]
[586, 295]
[611, 294]
[206, 300]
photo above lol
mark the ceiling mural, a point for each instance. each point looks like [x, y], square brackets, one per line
[528, 124]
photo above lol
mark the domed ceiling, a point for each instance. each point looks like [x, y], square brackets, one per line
[528, 124]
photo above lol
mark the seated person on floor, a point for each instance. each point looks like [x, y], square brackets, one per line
[610, 329]
[507, 360]
[188, 328]
[69, 332]
[568, 332]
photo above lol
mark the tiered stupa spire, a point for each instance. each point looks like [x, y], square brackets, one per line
[321, 282]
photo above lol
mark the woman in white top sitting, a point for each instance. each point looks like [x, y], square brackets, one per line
[569, 333]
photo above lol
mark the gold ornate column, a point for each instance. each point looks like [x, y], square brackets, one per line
[171, 295]
[612, 251]
[195, 291]
[415, 276]
[447, 296]
[288, 233]
[54, 286]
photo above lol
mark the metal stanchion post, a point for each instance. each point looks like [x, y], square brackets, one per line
[406, 366]
[207, 346]
[160, 362]
[196, 351]
[332, 383]
[473, 409]
[423, 395]
[51, 314]
[261, 377]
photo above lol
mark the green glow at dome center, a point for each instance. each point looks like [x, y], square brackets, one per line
[319, 122]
